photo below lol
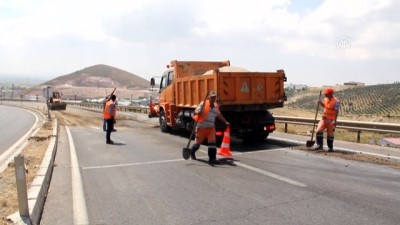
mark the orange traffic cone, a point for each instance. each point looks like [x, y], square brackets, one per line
[225, 149]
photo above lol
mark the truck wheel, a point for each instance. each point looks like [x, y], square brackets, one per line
[163, 123]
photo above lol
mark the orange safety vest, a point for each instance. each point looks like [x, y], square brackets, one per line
[106, 112]
[330, 112]
[203, 115]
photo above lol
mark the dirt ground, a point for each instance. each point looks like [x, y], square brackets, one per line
[33, 154]
[37, 146]
[387, 161]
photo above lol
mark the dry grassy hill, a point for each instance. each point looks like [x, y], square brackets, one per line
[95, 82]
[101, 76]
[381, 100]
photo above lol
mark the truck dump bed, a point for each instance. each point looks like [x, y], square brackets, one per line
[233, 88]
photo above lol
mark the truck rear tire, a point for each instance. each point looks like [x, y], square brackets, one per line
[163, 123]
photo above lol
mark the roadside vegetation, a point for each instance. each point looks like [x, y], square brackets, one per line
[381, 100]
[375, 103]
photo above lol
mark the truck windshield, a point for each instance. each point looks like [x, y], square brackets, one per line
[170, 77]
[163, 82]
[166, 79]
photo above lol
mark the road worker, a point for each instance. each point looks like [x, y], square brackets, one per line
[331, 107]
[106, 99]
[205, 115]
[110, 113]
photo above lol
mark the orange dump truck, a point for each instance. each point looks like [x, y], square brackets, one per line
[244, 97]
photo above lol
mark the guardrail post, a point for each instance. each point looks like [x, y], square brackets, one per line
[21, 186]
[286, 127]
[358, 136]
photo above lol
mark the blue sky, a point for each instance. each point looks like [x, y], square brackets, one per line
[317, 43]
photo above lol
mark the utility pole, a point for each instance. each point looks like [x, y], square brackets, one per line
[48, 102]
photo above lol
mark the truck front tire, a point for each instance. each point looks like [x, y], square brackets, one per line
[163, 123]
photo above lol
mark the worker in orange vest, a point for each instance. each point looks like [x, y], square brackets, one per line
[205, 115]
[110, 113]
[328, 121]
[106, 99]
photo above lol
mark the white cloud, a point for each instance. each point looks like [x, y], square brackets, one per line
[57, 37]
[361, 21]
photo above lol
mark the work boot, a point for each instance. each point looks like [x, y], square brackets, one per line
[213, 162]
[110, 142]
[329, 141]
[320, 144]
[212, 155]
[195, 147]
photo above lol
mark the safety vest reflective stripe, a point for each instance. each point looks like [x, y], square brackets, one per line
[330, 111]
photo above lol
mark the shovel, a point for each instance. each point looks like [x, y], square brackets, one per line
[186, 151]
[311, 142]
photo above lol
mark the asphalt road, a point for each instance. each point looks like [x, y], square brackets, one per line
[144, 180]
[14, 122]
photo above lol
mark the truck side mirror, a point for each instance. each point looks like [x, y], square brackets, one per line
[152, 82]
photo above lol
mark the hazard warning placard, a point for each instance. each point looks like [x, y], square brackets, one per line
[244, 88]
[260, 88]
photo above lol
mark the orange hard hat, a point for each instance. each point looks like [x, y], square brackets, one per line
[328, 91]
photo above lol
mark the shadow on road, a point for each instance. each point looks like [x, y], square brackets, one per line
[221, 162]
[238, 145]
[119, 143]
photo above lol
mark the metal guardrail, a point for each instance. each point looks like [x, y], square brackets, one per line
[356, 126]
[135, 109]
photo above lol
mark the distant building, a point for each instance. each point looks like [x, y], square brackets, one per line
[296, 87]
[353, 83]
[390, 142]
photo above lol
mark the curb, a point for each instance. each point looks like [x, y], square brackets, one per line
[37, 192]
[337, 149]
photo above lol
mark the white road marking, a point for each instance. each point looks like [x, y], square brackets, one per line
[138, 163]
[78, 196]
[284, 179]
[8, 155]
[131, 164]
[338, 148]
[369, 153]
[272, 175]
